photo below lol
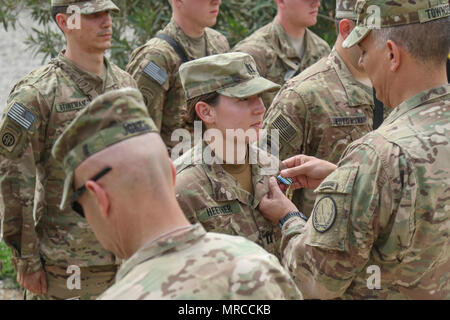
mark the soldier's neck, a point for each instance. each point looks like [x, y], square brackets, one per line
[90, 62]
[190, 28]
[294, 31]
[358, 74]
[150, 225]
[412, 79]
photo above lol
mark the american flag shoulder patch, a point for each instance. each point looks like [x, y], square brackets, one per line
[286, 130]
[21, 115]
[155, 72]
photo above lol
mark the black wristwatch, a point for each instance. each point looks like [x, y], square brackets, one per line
[290, 215]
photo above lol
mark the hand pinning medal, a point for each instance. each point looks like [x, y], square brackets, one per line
[288, 182]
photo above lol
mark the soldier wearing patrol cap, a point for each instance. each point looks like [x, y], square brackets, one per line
[50, 245]
[285, 47]
[325, 108]
[155, 65]
[119, 176]
[379, 227]
[223, 91]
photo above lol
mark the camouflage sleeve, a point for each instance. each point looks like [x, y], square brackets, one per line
[287, 114]
[327, 252]
[151, 69]
[21, 129]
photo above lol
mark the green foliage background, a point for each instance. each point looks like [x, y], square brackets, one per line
[139, 20]
[7, 270]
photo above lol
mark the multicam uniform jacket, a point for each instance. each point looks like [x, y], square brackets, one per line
[210, 195]
[276, 58]
[199, 265]
[319, 113]
[384, 209]
[39, 108]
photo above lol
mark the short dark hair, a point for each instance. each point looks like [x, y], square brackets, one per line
[191, 115]
[426, 42]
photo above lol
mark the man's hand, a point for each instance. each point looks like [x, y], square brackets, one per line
[274, 205]
[306, 172]
[35, 282]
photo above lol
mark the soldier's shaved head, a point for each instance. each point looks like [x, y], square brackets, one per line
[140, 164]
[137, 194]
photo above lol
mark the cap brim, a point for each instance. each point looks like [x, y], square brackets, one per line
[356, 36]
[67, 191]
[250, 88]
[88, 8]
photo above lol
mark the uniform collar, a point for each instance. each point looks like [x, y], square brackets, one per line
[94, 81]
[153, 249]
[283, 47]
[174, 31]
[287, 53]
[224, 185]
[425, 97]
[357, 92]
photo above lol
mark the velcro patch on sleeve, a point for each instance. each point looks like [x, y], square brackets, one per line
[21, 115]
[12, 139]
[153, 71]
[286, 130]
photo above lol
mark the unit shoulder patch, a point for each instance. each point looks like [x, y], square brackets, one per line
[11, 136]
[324, 214]
[153, 71]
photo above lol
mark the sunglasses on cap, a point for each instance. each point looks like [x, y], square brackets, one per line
[76, 206]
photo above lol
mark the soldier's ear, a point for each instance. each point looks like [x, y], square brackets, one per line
[205, 112]
[61, 20]
[101, 197]
[394, 52]
[345, 28]
[176, 3]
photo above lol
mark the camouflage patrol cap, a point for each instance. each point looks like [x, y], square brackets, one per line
[111, 118]
[345, 9]
[375, 14]
[88, 7]
[230, 74]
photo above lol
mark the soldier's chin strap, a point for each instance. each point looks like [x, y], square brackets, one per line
[378, 111]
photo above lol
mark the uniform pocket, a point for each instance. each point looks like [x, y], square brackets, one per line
[332, 209]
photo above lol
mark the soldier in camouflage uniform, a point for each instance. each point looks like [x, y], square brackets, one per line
[44, 240]
[285, 47]
[224, 195]
[329, 105]
[155, 65]
[141, 220]
[379, 228]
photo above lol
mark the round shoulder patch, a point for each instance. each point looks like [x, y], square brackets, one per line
[324, 214]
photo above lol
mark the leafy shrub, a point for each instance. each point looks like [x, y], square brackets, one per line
[7, 270]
